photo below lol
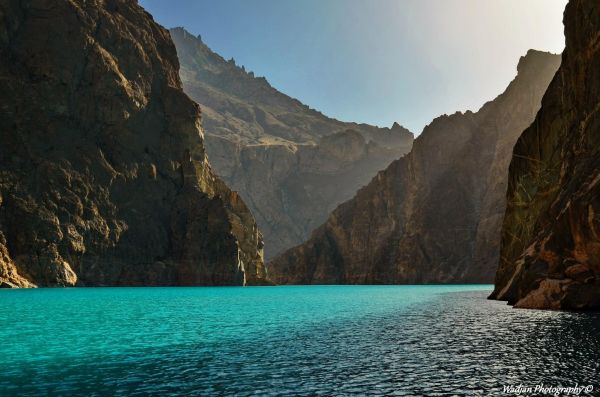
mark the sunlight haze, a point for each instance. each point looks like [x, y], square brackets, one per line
[376, 61]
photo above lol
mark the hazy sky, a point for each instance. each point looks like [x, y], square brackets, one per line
[375, 61]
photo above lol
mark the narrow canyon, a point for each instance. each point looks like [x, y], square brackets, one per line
[434, 215]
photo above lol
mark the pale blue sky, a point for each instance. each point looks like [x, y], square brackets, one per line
[375, 61]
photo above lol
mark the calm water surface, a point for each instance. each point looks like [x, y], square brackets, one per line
[305, 340]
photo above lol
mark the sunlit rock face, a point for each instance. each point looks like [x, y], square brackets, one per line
[290, 163]
[433, 216]
[550, 255]
[103, 173]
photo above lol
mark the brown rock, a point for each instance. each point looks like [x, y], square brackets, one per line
[9, 276]
[546, 296]
[553, 195]
[103, 175]
[432, 216]
[580, 272]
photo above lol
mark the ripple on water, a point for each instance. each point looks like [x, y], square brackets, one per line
[287, 341]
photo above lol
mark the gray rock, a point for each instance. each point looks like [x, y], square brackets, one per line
[291, 164]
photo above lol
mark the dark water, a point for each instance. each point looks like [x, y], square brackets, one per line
[315, 340]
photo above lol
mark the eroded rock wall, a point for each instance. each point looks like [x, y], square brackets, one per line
[550, 256]
[104, 178]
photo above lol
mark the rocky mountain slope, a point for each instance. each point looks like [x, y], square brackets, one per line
[433, 216]
[291, 164]
[550, 256]
[103, 175]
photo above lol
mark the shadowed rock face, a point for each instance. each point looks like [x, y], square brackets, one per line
[103, 174]
[433, 216]
[550, 256]
[291, 164]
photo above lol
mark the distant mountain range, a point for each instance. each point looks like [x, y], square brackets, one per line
[291, 164]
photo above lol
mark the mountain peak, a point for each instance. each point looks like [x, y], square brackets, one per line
[532, 60]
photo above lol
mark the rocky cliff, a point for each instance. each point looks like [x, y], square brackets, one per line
[550, 256]
[434, 215]
[103, 174]
[290, 163]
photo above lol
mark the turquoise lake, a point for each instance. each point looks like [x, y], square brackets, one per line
[297, 340]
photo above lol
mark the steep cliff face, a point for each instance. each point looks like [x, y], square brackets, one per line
[103, 175]
[431, 215]
[550, 256]
[291, 164]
